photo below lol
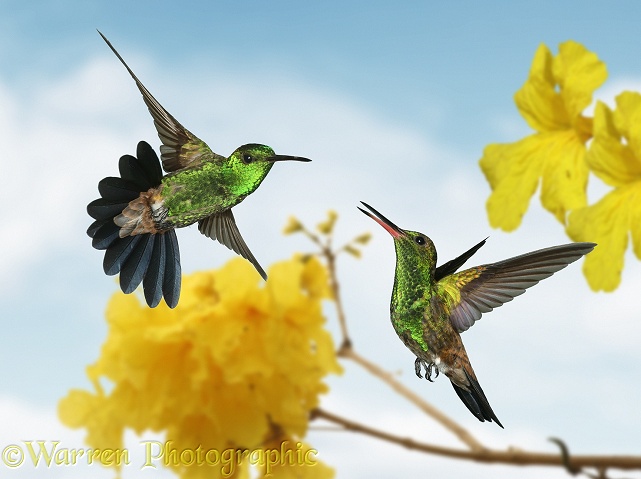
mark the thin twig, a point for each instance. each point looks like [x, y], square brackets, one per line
[565, 456]
[509, 456]
[340, 312]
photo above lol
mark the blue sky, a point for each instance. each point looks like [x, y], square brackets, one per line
[394, 104]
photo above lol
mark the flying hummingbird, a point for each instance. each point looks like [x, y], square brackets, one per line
[432, 305]
[138, 212]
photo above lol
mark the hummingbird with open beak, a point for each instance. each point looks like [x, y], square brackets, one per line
[431, 306]
[138, 212]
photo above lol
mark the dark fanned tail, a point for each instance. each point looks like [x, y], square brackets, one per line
[153, 259]
[476, 401]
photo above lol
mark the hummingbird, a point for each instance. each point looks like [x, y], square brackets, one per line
[431, 306]
[138, 212]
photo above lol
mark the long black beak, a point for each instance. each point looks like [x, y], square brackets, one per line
[287, 158]
[390, 227]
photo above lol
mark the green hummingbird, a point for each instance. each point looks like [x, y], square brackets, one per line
[432, 305]
[138, 212]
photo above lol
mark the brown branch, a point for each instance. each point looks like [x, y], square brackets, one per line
[333, 279]
[510, 456]
[411, 396]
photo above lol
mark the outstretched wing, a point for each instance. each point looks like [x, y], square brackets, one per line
[180, 148]
[222, 228]
[451, 266]
[480, 289]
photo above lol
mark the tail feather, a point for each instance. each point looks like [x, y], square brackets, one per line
[117, 189]
[130, 170]
[118, 252]
[135, 266]
[105, 233]
[148, 160]
[172, 278]
[95, 226]
[150, 259]
[153, 280]
[102, 209]
[144, 170]
[476, 401]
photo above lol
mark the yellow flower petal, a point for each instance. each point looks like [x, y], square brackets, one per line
[292, 226]
[363, 238]
[327, 226]
[626, 115]
[565, 175]
[559, 88]
[627, 119]
[537, 100]
[513, 171]
[315, 279]
[635, 218]
[608, 223]
[578, 72]
[610, 159]
[355, 252]
[76, 408]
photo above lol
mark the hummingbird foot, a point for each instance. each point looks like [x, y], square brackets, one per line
[428, 369]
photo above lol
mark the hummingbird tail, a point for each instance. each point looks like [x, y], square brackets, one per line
[475, 400]
[153, 259]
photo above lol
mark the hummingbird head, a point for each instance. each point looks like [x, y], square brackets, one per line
[250, 164]
[414, 251]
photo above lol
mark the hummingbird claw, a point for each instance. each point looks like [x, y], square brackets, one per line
[417, 367]
[428, 369]
[428, 372]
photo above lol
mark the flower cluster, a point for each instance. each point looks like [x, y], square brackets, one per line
[236, 365]
[560, 156]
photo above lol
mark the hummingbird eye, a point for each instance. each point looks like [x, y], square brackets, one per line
[420, 240]
[247, 159]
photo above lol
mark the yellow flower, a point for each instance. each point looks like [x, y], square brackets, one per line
[363, 238]
[327, 226]
[236, 365]
[355, 252]
[615, 157]
[292, 226]
[552, 100]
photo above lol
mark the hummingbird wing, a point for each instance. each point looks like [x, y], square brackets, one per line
[222, 228]
[180, 148]
[478, 290]
[451, 266]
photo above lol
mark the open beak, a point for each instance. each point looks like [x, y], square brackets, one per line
[287, 158]
[390, 227]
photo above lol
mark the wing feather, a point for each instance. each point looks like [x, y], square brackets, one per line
[483, 288]
[181, 148]
[451, 266]
[222, 228]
